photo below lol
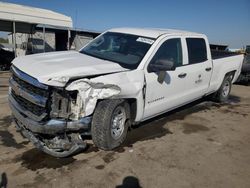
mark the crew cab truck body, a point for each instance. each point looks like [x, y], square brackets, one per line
[124, 76]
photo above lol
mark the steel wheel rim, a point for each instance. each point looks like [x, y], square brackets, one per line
[226, 89]
[118, 122]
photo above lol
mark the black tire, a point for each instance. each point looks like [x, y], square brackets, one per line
[221, 95]
[102, 123]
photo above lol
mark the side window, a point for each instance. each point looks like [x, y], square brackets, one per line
[170, 50]
[197, 51]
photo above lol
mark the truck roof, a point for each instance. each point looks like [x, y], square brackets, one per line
[153, 32]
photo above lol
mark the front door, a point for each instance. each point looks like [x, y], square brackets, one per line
[171, 92]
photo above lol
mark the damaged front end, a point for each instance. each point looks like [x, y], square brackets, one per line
[87, 95]
[55, 119]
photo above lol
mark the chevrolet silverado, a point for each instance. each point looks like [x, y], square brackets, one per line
[123, 77]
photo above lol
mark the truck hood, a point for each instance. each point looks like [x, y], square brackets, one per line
[56, 68]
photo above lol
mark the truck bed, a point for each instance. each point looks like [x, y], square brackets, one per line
[223, 64]
[217, 54]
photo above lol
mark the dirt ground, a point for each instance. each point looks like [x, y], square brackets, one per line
[203, 144]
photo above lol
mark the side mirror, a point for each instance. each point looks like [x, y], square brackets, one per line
[161, 65]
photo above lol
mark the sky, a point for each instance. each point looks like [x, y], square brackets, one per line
[223, 21]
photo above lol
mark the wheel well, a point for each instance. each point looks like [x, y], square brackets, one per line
[132, 105]
[231, 74]
[133, 108]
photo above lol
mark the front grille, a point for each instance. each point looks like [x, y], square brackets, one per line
[33, 87]
[35, 109]
[29, 87]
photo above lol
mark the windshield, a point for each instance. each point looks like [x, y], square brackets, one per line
[124, 49]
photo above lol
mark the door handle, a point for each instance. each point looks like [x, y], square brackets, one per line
[182, 75]
[208, 69]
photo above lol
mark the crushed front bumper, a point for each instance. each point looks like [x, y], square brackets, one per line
[52, 126]
[74, 148]
[31, 129]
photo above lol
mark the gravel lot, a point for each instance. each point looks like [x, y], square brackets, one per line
[203, 144]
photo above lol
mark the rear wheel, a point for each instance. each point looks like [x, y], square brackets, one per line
[224, 91]
[110, 123]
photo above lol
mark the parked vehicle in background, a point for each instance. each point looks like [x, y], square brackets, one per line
[245, 71]
[123, 77]
[5, 59]
[248, 49]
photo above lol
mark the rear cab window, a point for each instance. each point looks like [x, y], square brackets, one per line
[197, 50]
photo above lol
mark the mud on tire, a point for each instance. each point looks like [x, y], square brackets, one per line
[103, 126]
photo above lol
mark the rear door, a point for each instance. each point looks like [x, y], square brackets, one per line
[200, 67]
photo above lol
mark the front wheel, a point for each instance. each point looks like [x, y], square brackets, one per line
[110, 123]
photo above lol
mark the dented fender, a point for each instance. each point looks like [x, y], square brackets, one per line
[88, 94]
[118, 85]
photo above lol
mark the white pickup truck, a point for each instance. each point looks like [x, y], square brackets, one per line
[123, 77]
